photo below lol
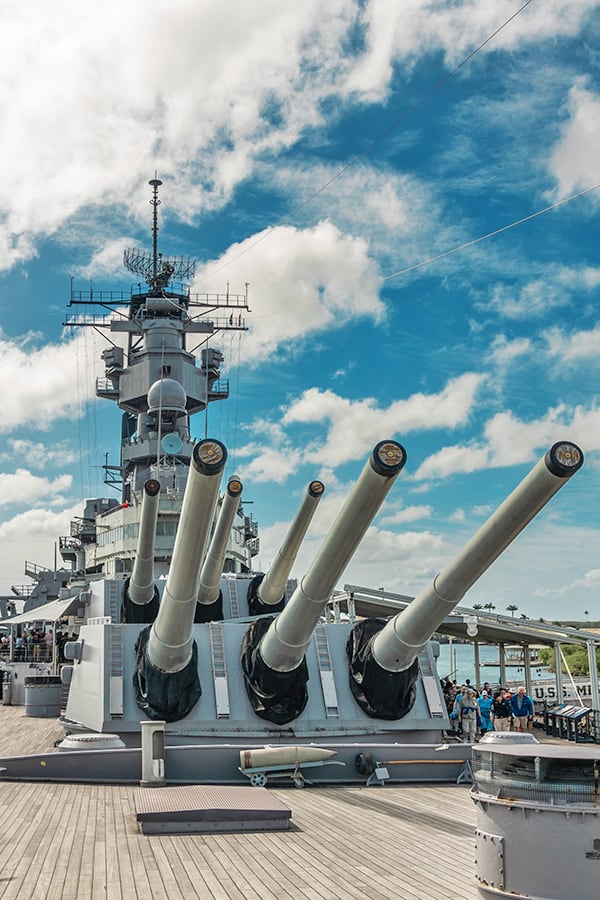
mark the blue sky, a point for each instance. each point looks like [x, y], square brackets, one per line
[331, 158]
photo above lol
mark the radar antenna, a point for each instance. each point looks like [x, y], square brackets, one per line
[156, 268]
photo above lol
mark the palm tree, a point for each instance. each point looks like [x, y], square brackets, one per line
[477, 606]
[512, 609]
[489, 606]
[586, 613]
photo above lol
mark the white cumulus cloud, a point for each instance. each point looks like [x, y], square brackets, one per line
[309, 281]
[42, 383]
[24, 488]
[354, 426]
[509, 441]
[574, 159]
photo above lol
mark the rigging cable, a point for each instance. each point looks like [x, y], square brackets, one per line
[443, 254]
[490, 234]
[160, 407]
[79, 416]
[225, 409]
[237, 397]
[377, 140]
[88, 435]
[90, 432]
[92, 408]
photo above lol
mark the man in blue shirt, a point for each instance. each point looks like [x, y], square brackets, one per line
[522, 708]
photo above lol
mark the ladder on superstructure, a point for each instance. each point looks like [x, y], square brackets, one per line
[219, 669]
[115, 651]
[430, 683]
[326, 672]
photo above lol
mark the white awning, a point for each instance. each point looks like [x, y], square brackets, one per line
[49, 612]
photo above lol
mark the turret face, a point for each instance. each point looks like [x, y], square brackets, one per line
[563, 459]
[209, 457]
[316, 488]
[152, 487]
[388, 458]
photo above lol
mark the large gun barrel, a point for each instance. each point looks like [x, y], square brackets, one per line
[167, 649]
[141, 593]
[208, 607]
[266, 594]
[273, 656]
[392, 651]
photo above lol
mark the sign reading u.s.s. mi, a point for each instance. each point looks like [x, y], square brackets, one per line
[548, 691]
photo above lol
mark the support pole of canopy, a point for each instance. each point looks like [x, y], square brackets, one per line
[527, 669]
[476, 664]
[558, 671]
[502, 655]
[593, 666]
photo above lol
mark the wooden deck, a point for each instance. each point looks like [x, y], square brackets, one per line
[346, 843]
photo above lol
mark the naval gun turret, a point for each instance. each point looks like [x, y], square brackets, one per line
[166, 681]
[266, 592]
[273, 650]
[383, 657]
[373, 698]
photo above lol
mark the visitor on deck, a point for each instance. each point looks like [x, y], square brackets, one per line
[522, 710]
[485, 708]
[19, 649]
[37, 645]
[49, 644]
[455, 714]
[468, 715]
[501, 711]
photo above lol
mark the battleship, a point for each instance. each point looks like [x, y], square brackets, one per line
[188, 666]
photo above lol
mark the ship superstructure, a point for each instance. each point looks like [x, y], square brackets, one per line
[157, 377]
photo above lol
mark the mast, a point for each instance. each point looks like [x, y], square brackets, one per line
[157, 377]
[155, 202]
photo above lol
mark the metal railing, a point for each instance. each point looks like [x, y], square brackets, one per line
[572, 722]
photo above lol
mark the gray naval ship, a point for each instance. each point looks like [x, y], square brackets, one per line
[189, 665]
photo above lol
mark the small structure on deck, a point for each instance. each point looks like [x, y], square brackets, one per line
[538, 809]
[196, 809]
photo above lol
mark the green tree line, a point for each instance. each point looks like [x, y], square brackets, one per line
[575, 655]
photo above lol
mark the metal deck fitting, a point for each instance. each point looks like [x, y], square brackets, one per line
[195, 809]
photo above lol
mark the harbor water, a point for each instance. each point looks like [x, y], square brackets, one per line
[462, 665]
[543, 682]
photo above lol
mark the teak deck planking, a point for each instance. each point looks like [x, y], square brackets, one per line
[75, 841]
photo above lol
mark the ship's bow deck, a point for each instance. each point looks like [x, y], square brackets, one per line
[77, 841]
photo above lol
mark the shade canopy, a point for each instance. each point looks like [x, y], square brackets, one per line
[49, 612]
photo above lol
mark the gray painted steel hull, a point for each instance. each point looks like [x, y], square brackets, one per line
[219, 764]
